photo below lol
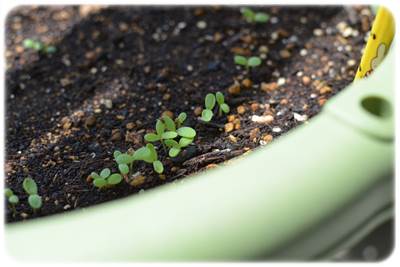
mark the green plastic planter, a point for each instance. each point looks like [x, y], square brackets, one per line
[310, 193]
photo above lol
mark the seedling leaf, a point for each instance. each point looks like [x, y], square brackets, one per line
[50, 49]
[225, 108]
[105, 173]
[115, 178]
[151, 137]
[142, 153]
[35, 201]
[169, 123]
[240, 60]
[28, 43]
[116, 154]
[209, 101]
[186, 132]
[29, 186]
[261, 17]
[206, 115]
[152, 153]
[182, 117]
[254, 61]
[174, 151]
[171, 143]
[160, 128]
[94, 175]
[13, 199]
[220, 98]
[123, 168]
[248, 14]
[169, 135]
[100, 182]
[124, 159]
[8, 192]
[184, 142]
[158, 166]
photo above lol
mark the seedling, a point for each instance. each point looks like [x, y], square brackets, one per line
[254, 17]
[174, 129]
[11, 198]
[247, 62]
[222, 106]
[39, 46]
[210, 102]
[147, 154]
[164, 131]
[187, 135]
[180, 119]
[105, 178]
[30, 187]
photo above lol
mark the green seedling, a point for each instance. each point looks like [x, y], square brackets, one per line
[222, 106]
[165, 129]
[254, 17]
[250, 62]
[168, 130]
[180, 119]
[187, 135]
[39, 46]
[147, 154]
[30, 187]
[105, 178]
[11, 198]
[210, 102]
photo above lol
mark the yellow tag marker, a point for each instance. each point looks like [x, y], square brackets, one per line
[378, 43]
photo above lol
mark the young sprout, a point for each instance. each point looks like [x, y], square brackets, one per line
[254, 17]
[11, 198]
[247, 62]
[180, 119]
[174, 129]
[210, 102]
[38, 46]
[152, 157]
[30, 187]
[105, 178]
[222, 106]
[164, 131]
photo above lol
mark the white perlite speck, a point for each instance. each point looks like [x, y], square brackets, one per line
[281, 81]
[276, 130]
[299, 117]
[201, 24]
[262, 119]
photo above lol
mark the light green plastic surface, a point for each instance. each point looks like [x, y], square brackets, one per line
[252, 209]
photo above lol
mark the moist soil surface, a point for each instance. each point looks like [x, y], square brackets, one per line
[117, 69]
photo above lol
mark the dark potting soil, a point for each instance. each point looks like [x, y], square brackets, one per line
[117, 69]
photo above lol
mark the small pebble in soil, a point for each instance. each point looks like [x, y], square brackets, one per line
[232, 139]
[247, 83]
[241, 109]
[262, 119]
[201, 24]
[276, 130]
[90, 121]
[229, 127]
[318, 32]
[303, 52]
[299, 117]
[197, 111]
[306, 80]
[268, 87]
[281, 81]
[234, 89]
